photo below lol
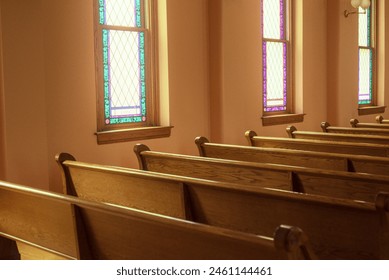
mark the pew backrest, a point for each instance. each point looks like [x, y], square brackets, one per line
[250, 175]
[356, 124]
[132, 188]
[341, 137]
[337, 229]
[326, 127]
[377, 150]
[88, 230]
[134, 235]
[311, 159]
[381, 120]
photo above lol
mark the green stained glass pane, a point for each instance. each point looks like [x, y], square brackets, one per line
[125, 79]
[364, 27]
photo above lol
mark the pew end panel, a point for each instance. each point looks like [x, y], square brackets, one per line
[138, 149]
[289, 130]
[354, 122]
[379, 119]
[324, 126]
[28, 217]
[249, 135]
[68, 187]
[294, 241]
[200, 141]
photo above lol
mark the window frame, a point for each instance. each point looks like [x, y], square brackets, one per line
[289, 115]
[373, 49]
[112, 133]
[289, 60]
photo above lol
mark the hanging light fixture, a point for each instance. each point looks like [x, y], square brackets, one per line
[364, 4]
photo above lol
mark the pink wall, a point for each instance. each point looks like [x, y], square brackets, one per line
[210, 79]
[25, 130]
[235, 70]
[50, 86]
[343, 63]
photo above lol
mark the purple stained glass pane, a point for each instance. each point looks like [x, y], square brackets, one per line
[282, 19]
[274, 54]
[274, 75]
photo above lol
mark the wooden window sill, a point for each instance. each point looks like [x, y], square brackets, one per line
[282, 119]
[131, 134]
[371, 110]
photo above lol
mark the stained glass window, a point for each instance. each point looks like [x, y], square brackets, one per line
[366, 57]
[274, 55]
[123, 45]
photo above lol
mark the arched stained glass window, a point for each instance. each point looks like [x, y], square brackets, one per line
[275, 51]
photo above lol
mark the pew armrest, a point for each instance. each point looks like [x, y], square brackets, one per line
[199, 141]
[250, 134]
[294, 241]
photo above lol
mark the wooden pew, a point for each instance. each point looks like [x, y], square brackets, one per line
[337, 228]
[81, 229]
[90, 181]
[338, 184]
[380, 119]
[326, 127]
[337, 137]
[356, 124]
[375, 150]
[311, 159]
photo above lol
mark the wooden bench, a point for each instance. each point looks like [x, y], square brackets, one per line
[326, 127]
[337, 229]
[356, 124]
[252, 175]
[380, 119]
[317, 145]
[90, 181]
[311, 159]
[80, 229]
[337, 137]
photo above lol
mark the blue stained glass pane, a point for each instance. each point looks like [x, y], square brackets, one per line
[124, 63]
[124, 76]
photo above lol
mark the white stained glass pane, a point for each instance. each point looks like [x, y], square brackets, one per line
[271, 19]
[363, 26]
[125, 74]
[121, 13]
[275, 74]
[365, 71]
